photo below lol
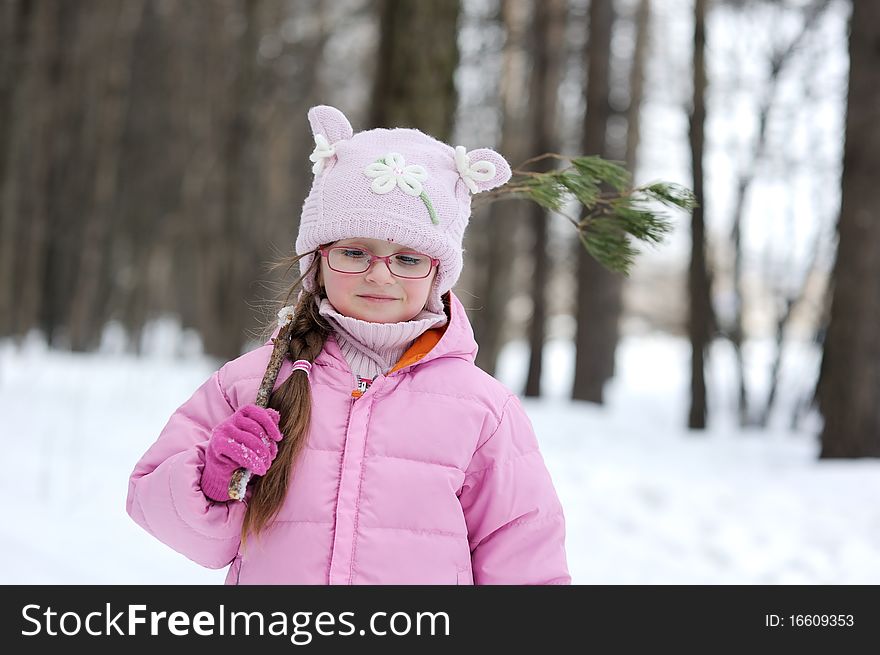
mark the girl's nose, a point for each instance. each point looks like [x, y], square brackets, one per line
[379, 272]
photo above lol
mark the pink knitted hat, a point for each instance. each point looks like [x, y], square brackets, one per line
[397, 185]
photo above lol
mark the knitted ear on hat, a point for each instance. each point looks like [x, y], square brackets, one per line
[481, 169]
[329, 125]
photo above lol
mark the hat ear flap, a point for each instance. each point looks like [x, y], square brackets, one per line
[329, 122]
[481, 169]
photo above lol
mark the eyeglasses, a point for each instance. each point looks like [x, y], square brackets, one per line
[355, 259]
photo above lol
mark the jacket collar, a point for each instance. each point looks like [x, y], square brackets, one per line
[454, 339]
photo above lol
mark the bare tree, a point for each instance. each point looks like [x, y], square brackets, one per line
[152, 156]
[598, 289]
[14, 46]
[850, 386]
[502, 219]
[85, 316]
[549, 22]
[418, 50]
[780, 58]
[700, 308]
[637, 83]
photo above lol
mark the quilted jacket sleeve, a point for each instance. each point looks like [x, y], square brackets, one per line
[515, 523]
[164, 496]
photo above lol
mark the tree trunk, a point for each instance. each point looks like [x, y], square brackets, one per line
[598, 290]
[700, 309]
[416, 62]
[17, 31]
[850, 388]
[85, 316]
[151, 164]
[236, 252]
[502, 219]
[637, 84]
[46, 65]
[549, 24]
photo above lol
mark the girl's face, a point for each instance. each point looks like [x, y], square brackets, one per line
[376, 295]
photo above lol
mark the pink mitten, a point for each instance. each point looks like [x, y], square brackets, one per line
[247, 439]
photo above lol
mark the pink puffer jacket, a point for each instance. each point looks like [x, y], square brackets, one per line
[432, 476]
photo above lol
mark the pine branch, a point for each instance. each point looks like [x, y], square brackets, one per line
[614, 214]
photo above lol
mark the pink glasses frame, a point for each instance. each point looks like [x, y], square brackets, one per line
[325, 252]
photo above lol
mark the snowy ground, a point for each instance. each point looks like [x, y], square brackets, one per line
[646, 501]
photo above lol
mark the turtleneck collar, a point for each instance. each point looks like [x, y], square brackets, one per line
[374, 348]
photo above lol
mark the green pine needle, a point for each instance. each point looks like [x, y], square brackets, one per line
[613, 214]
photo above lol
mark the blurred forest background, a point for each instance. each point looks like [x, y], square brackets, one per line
[154, 160]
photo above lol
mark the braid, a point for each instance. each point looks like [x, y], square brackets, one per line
[309, 331]
[293, 401]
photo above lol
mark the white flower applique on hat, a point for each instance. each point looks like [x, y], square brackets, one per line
[391, 171]
[323, 150]
[481, 171]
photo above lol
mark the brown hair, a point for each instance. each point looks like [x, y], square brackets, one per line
[293, 401]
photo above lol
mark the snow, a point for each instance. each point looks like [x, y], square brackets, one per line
[646, 501]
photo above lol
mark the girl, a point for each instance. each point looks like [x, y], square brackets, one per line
[385, 456]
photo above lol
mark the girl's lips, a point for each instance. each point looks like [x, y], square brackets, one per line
[379, 299]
